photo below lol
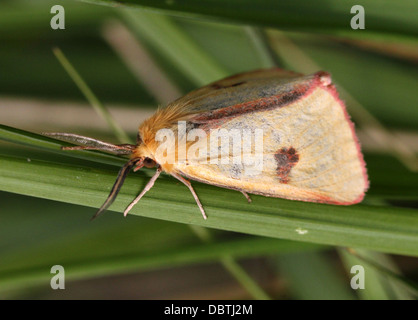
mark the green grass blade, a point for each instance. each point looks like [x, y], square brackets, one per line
[268, 58]
[230, 264]
[90, 96]
[382, 280]
[387, 229]
[312, 276]
[313, 16]
[84, 249]
[175, 45]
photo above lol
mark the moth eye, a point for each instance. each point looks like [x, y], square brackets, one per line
[149, 163]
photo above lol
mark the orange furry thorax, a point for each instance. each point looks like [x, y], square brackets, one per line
[163, 118]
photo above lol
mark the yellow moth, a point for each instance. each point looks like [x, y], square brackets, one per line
[270, 132]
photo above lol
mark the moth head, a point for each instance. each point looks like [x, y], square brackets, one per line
[144, 155]
[144, 162]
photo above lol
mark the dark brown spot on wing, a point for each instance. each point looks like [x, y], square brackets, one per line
[286, 159]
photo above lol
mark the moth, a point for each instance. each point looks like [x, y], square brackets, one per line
[298, 137]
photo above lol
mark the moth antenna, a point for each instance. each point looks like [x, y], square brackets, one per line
[118, 149]
[149, 185]
[87, 143]
[189, 185]
[123, 172]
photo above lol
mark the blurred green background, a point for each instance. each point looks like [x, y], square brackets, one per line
[146, 54]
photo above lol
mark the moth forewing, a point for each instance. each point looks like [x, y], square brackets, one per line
[310, 150]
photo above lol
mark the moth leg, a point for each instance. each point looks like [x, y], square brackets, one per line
[246, 196]
[147, 188]
[189, 185]
[123, 172]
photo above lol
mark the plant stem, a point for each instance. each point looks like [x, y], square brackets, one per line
[91, 97]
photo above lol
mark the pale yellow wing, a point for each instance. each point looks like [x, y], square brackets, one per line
[309, 150]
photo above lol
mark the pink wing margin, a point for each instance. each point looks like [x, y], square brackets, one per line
[324, 79]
